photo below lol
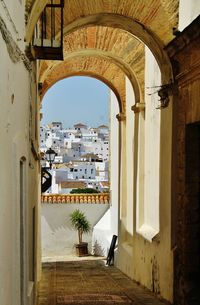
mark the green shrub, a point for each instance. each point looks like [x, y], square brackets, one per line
[86, 190]
[80, 223]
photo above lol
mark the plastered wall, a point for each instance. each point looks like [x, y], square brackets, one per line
[108, 224]
[188, 11]
[58, 236]
[146, 255]
[16, 231]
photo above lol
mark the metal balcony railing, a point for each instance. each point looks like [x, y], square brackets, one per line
[47, 41]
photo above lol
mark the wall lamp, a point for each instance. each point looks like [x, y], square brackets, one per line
[46, 178]
[50, 156]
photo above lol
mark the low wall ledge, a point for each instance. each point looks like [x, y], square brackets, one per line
[103, 198]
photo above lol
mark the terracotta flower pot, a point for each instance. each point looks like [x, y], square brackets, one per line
[82, 249]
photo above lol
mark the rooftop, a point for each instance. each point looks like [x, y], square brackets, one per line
[102, 198]
[73, 184]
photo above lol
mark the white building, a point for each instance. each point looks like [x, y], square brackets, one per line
[71, 144]
[56, 126]
[78, 170]
[80, 127]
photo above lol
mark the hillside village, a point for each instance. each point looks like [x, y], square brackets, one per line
[82, 156]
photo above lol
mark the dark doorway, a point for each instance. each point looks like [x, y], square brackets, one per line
[191, 251]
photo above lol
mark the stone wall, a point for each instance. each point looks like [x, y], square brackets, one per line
[184, 52]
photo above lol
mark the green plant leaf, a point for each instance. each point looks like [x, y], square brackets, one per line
[80, 223]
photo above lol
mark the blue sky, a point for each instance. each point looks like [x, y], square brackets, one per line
[76, 99]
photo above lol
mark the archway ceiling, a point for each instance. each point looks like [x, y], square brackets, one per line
[156, 19]
[113, 45]
[159, 16]
[108, 72]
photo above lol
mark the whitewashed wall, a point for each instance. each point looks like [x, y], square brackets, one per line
[146, 209]
[108, 225]
[16, 222]
[58, 237]
[188, 11]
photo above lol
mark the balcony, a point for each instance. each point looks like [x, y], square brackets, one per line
[47, 41]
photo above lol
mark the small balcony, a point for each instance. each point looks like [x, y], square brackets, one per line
[47, 41]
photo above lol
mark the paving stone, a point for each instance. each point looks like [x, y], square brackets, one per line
[90, 283]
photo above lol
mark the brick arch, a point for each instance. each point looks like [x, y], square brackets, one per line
[143, 20]
[107, 72]
[133, 27]
[95, 54]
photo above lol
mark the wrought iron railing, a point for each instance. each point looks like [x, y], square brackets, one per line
[47, 41]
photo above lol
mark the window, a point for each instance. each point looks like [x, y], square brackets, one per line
[75, 170]
[92, 170]
[71, 169]
[85, 171]
[83, 177]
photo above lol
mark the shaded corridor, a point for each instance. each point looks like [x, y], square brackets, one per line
[89, 283]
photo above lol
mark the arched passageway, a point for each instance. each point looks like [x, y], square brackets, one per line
[101, 43]
[87, 153]
[147, 52]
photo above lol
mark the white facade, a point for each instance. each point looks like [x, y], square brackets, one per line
[79, 144]
[108, 224]
[56, 126]
[72, 143]
[76, 171]
[18, 127]
[58, 237]
[98, 147]
[188, 11]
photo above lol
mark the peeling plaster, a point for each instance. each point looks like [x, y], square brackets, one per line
[155, 276]
[13, 50]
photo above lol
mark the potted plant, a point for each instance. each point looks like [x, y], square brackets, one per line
[81, 224]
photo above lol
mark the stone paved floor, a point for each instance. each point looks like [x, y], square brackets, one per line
[89, 282]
